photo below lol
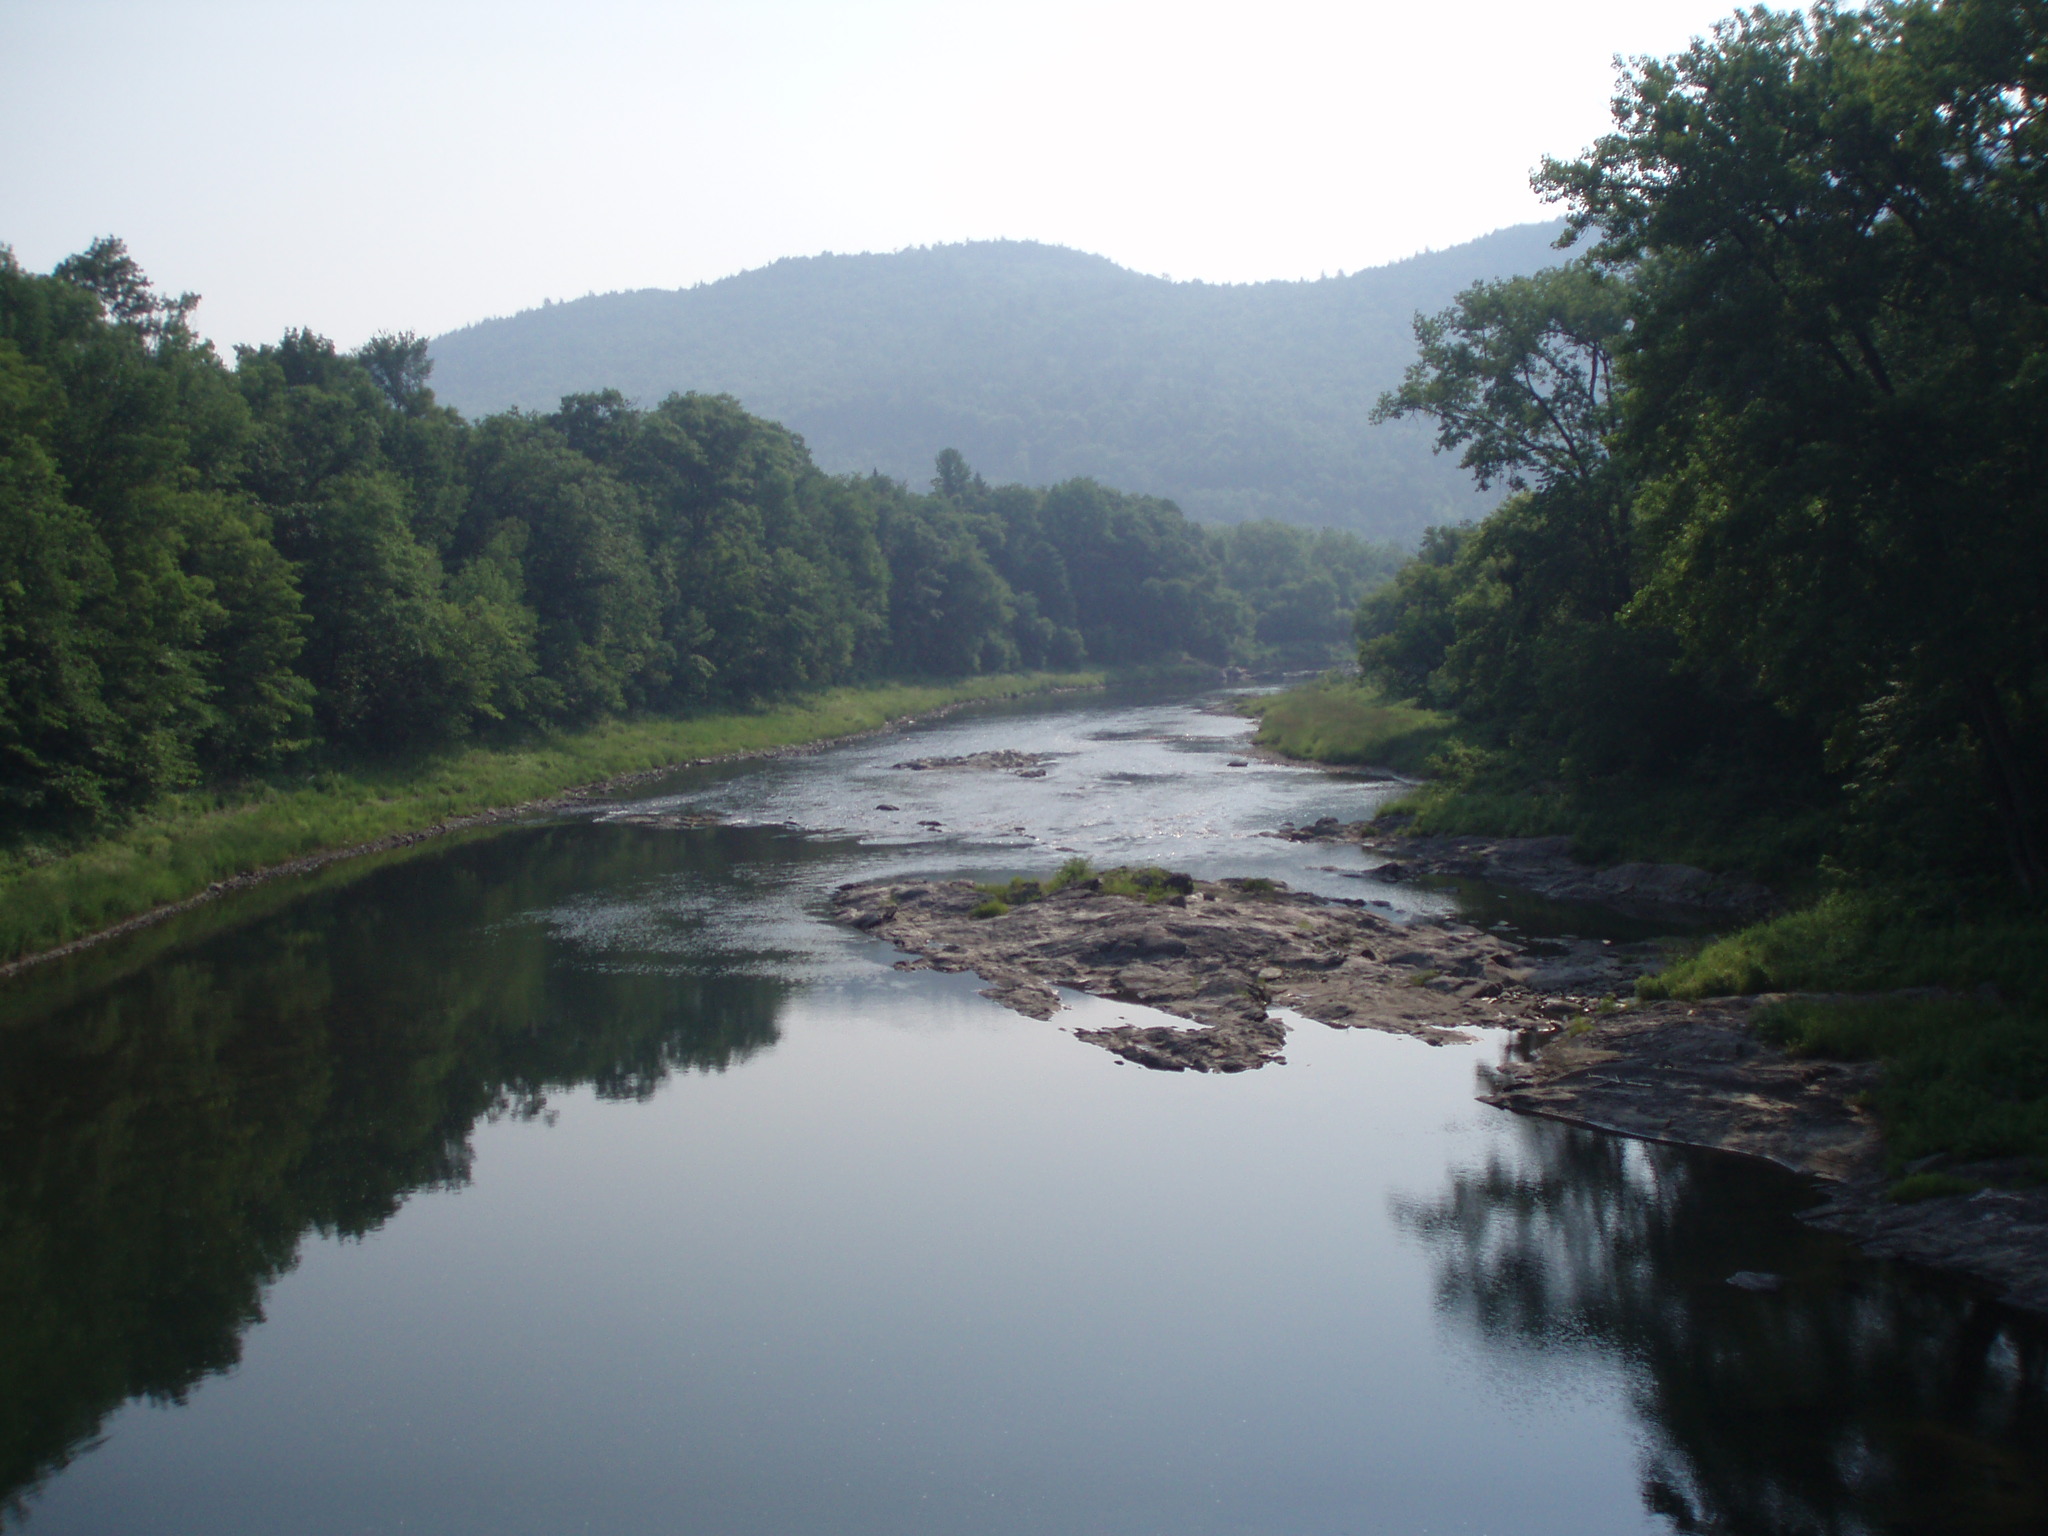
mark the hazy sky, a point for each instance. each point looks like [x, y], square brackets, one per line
[366, 167]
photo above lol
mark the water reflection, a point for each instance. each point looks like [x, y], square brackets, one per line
[168, 1140]
[1856, 1399]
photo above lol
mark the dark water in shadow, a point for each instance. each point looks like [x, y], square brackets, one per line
[580, 1178]
[1856, 1398]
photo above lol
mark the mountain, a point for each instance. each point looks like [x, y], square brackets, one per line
[1038, 363]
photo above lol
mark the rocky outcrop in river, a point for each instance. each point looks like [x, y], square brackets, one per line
[1224, 953]
[1227, 954]
[1003, 760]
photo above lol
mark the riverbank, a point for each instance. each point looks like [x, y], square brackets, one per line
[1683, 894]
[196, 846]
[1468, 788]
[1340, 722]
[1708, 1075]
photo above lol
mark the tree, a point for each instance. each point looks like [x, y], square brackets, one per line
[399, 655]
[1520, 375]
[106, 269]
[151, 628]
[398, 364]
[579, 537]
[1838, 385]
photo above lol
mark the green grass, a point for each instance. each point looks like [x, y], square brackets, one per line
[1961, 1079]
[1339, 720]
[189, 841]
[1965, 1070]
[1147, 883]
[1871, 941]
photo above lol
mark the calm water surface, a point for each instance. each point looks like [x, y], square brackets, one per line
[579, 1178]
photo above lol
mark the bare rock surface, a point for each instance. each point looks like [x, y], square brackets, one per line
[1003, 760]
[1695, 1074]
[1221, 954]
[674, 820]
[1544, 866]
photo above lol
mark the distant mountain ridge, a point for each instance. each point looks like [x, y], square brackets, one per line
[1039, 363]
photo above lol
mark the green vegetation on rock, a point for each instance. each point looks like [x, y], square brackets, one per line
[1147, 883]
[1962, 1080]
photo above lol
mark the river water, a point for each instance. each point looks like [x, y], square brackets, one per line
[579, 1177]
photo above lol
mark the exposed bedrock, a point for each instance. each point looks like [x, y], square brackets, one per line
[1003, 760]
[1222, 954]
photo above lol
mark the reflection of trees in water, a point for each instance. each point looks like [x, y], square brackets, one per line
[167, 1140]
[1857, 1399]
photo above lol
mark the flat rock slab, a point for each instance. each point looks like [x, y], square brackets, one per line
[1219, 954]
[1695, 1074]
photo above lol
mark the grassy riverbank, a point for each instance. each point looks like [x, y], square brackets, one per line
[190, 841]
[1336, 720]
[1719, 821]
[1944, 988]
[1953, 1002]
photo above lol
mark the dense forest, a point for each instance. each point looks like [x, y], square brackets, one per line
[1239, 401]
[209, 571]
[1771, 576]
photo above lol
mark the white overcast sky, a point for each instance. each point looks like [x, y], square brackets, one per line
[367, 167]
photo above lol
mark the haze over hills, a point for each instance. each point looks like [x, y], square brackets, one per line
[1038, 363]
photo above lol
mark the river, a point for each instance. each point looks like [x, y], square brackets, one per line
[578, 1177]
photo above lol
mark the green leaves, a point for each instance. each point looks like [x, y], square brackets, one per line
[1838, 370]
[206, 573]
[1520, 375]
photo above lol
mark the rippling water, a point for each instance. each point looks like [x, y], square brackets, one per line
[578, 1177]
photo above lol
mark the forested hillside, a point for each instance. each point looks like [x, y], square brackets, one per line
[208, 571]
[1040, 364]
[1772, 576]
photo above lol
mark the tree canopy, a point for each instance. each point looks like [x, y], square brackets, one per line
[1818, 483]
[210, 570]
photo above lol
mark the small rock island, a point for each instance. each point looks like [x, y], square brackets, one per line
[1223, 954]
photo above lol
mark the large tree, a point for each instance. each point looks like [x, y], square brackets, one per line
[1839, 223]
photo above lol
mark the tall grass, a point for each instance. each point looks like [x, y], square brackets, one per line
[1961, 1079]
[187, 842]
[1340, 720]
[1870, 941]
[1965, 1067]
